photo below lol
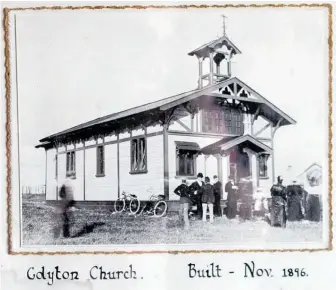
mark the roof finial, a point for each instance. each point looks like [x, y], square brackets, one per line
[224, 24]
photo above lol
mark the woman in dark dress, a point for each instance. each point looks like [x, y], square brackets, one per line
[295, 202]
[231, 190]
[245, 189]
[314, 202]
[218, 191]
[278, 204]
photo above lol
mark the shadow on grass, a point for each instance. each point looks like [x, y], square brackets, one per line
[88, 228]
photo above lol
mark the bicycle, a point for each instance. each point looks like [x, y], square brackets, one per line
[127, 202]
[156, 206]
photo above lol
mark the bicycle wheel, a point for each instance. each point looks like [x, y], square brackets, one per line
[134, 206]
[160, 208]
[119, 205]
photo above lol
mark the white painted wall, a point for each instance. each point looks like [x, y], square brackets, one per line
[144, 184]
[106, 188]
[211, 167]
[102, 188]
[78, 183]
[51, 175]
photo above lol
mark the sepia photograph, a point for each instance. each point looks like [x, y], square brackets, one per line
[175, 129]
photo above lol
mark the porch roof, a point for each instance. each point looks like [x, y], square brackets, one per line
[191, 146]
[228, 143]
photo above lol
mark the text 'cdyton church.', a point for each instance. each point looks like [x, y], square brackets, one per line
[223, 127]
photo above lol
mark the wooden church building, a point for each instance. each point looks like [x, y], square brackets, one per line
[223, 127]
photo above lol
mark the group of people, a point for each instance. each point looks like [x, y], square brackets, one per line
[292, 203]
[206, 197]
[287, 203]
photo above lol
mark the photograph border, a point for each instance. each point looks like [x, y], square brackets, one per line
[8, 98]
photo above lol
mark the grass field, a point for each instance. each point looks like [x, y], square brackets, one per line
[100, 226]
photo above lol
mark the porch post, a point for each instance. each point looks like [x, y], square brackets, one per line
[219, 167]
[247, 124]
[165, 162]
[205, 160]
[45, 173]
[253, 166]
[273, 166]
[200, 71]
[211, 68]
[254, 174]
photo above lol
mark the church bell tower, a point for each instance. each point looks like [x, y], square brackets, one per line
[216, 52]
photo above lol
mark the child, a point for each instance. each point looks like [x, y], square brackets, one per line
[183, 192]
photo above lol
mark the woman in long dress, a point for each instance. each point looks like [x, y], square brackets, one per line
[278, 204]
[314, 205]
[295, 202]
[231, 190]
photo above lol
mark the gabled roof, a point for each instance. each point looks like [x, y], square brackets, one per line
[229, 142]
[267, 109]
[212, 45]
[310, 167]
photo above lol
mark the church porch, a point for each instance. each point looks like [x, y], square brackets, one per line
[238, 157]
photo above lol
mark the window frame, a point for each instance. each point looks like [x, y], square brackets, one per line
[98, 161]
[263, 160]
[194, 157]
[138, 171]
[70, 172]
[228, 120]
[56, 166]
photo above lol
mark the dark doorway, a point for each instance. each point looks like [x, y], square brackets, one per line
[239, 164]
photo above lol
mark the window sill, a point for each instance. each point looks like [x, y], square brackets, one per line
[100, 175]
[263, 177]
[69, 175]
[185, 177]
[139, 172]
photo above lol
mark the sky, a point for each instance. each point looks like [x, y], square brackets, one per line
[74, 66]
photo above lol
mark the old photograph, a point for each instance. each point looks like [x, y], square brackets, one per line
[186, 128]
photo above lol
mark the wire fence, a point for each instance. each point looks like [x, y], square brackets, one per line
[39, 189]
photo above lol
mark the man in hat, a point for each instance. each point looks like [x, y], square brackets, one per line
[196, 191]
[218, 192]
[183, 192]
[208, 199]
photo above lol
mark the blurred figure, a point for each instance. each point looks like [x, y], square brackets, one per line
[196, 193]
[295, 202]
[231, 190]
[183, 192]
[278, 204]
[314, 201]
[63, 211]
[218, 192]
[245, 188]
[208, 199]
